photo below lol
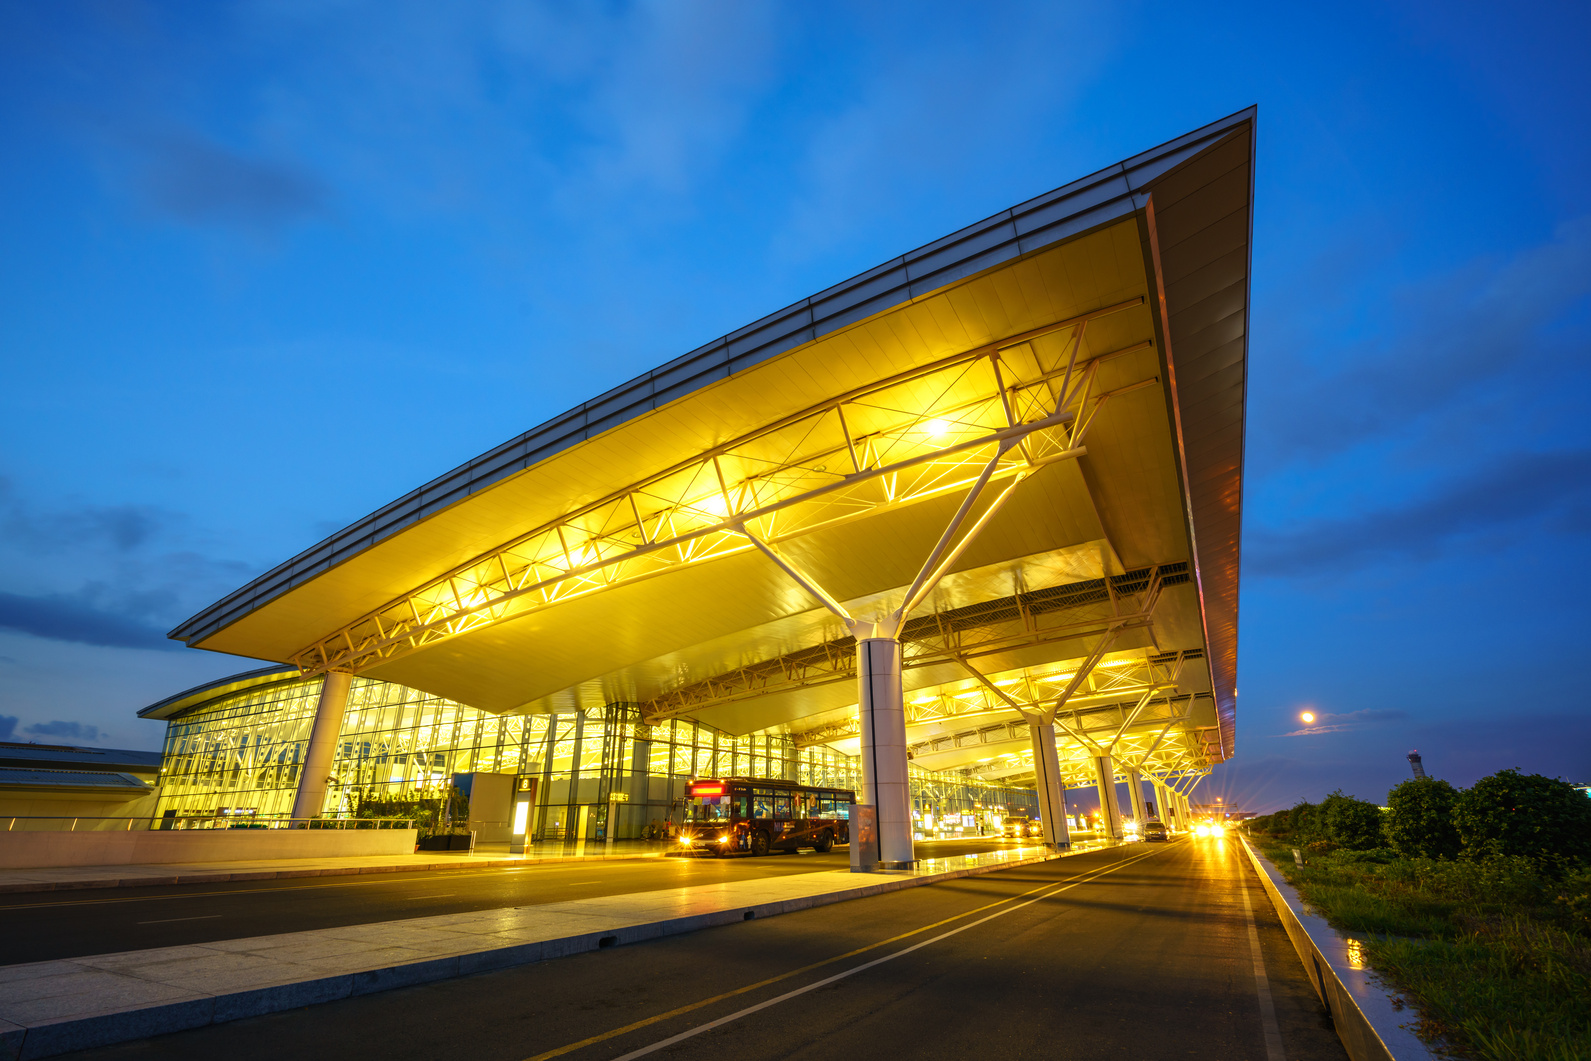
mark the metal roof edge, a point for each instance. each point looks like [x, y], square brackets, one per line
[180, 703]
[1225, 692]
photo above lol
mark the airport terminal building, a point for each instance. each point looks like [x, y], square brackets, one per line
[959, 533]
[234, 751]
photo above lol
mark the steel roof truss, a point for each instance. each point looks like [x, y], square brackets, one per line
[940, 428]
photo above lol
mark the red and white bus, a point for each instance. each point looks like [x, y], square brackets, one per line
[751, 816]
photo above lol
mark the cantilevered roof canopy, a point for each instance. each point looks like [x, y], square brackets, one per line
[604, 556]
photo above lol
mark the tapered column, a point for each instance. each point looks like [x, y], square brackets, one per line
[1109, 802]
[1135, 791]
[1162, 808]
[311, 798]
[885, 782]
[1047, 780]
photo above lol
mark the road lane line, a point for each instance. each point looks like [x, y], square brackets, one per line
[689, 1007]
[168, 920]
[417, 898]
[1262, 982]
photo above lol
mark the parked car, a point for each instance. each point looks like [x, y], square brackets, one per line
[1153, 831]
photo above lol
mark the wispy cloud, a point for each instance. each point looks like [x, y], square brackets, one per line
[121, 528]
[1521, 488]
[192, 179]
[1451, 339]
[1329, 723]
[73, 730]
[62, 618]
[933, 112]
[111, 575]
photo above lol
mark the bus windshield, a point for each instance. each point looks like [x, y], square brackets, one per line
[710, 808]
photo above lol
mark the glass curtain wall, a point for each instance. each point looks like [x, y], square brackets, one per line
[602, 773]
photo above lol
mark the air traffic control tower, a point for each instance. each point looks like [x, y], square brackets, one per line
[976, 509]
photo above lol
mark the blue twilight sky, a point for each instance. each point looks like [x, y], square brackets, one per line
[269, 265]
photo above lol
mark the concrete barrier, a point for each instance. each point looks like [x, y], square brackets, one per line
[1370, 1026]
[37, 850]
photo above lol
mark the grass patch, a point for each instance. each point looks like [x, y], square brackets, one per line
[1496, 954]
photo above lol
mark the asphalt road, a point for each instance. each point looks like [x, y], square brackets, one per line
[1138, 952]
[44, 926]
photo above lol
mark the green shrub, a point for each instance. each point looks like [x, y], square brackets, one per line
[1351, 823]
[1303, 821]
[1574, 900]
[1278, 824]
[1420, 822]
[1526, 816]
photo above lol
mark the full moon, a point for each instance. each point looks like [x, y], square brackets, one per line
[1308, 717]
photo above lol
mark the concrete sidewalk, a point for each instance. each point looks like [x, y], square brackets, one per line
[53, 1007]
[72, 878]
[69, 878]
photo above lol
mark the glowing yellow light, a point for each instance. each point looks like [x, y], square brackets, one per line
[936, 427]
[1308, 717]
[714, 504]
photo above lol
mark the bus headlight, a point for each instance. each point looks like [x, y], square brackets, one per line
[686, 840]
[723, 839]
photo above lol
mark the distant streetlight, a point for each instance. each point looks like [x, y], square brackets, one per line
[1308, 717]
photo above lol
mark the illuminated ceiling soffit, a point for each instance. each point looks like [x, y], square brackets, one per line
[891, 445]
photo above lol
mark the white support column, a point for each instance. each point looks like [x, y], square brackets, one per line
[1135, 790]
[311, 798]
[1162, 811]
[1109, 802]
[1047, 780]
[886, 783]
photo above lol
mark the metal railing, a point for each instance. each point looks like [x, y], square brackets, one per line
[90, 823]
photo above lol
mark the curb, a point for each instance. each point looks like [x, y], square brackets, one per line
[1370, 1026]
[285, 874]
[63, 1035]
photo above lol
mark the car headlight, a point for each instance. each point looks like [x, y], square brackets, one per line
[723, 839]
[685, 840]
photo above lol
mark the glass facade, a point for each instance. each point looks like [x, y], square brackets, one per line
[600, 773]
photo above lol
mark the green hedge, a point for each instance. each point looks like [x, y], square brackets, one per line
[1525, 816]
[1508, 814]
